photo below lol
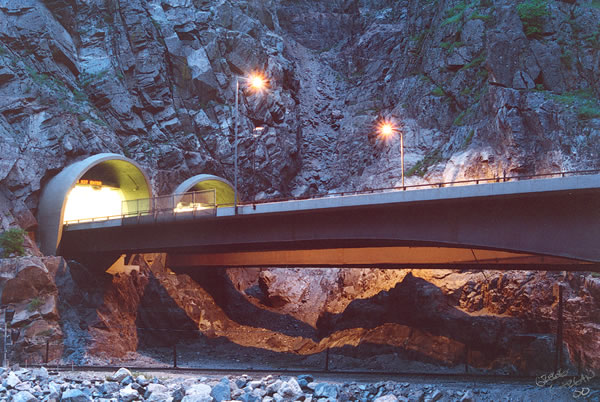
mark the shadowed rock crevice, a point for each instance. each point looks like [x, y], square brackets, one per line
[239, 309]
[159, 320]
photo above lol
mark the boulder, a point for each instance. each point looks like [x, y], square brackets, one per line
[386, 398]
[128, 393]
[198, 393]
[24, 396]
[120, 375]
[74, 395]
[11, 381]
[290, 390]
[221, 391]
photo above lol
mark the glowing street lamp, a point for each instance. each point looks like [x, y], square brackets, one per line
[258, 83]
[386, 131]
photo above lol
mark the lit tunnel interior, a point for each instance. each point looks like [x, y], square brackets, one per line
[224, 192]
[100, 192]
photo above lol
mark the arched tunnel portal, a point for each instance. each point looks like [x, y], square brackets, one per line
[91, 188]
[224, 192]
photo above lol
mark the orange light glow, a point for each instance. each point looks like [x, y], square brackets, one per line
[257, 82]
[386, 130]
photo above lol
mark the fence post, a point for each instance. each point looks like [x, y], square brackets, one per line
[175, 355]
[467, 350]
[47, 350]
[559, 330]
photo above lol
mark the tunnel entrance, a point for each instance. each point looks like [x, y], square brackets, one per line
[204, 189]
[91, 189]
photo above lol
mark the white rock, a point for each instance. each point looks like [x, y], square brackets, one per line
[54, 387]
[197, 398]
[74, 395]
[156, 388]
[41, 373]
[199, 390]
[274, 387]
[386, 398]
[435, 395]
[160, 397]
[12, 380]
[255, 384]
[467, 397]
[109, 387]
[142, 380]
[290, 389]
[128, 394]
[120, 375]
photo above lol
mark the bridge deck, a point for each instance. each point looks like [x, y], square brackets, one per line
[543, 217]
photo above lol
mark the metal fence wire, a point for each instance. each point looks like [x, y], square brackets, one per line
[176, 203]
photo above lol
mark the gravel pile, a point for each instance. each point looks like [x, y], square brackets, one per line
[38, 384]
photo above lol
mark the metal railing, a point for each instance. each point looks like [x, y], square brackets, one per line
[197, 203]
[206, 200]
[497, 179]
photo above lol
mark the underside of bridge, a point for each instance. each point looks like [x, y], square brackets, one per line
[553, 224]
[381, 257]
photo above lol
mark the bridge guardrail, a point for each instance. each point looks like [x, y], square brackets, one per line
[197, 203]
[167, 204]
[498, 179]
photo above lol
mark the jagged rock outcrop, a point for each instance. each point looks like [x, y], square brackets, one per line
[28, 287]
[473, 94]
[494, 321]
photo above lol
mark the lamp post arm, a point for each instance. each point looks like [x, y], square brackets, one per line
[402, 155]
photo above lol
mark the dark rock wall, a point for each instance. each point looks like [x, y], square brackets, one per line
[154, 80]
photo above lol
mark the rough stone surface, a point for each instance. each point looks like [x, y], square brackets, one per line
[74, 395]
[474, 97]
[85, 386]
[120, 375]
[221, 391]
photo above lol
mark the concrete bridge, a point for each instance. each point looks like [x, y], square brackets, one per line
[548, 224]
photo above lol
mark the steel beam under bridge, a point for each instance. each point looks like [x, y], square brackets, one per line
[535, 224]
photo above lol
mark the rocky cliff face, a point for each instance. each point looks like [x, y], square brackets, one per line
[405, 320]
[154, 80]
[479, 89]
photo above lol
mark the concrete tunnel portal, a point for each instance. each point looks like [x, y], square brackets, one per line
[91, 188]
[108, 185]
[224, 192]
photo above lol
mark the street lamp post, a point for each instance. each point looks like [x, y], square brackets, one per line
[258, 83]
[9, 313]
[386, 130]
